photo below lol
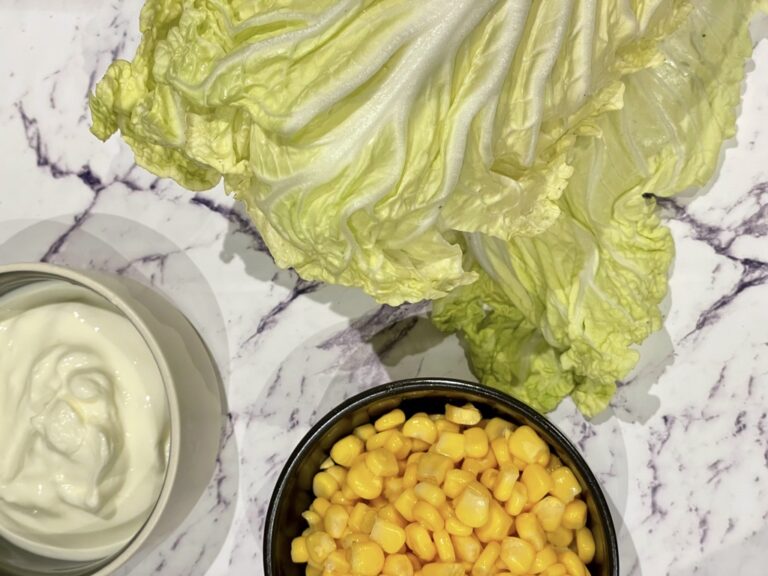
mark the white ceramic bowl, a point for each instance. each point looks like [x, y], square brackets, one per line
[193, 391]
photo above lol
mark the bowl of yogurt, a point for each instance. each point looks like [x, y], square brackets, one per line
[107, 392]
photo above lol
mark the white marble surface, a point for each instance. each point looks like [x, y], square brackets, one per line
[683, 452]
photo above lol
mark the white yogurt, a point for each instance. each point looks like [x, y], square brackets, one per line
[84, 425]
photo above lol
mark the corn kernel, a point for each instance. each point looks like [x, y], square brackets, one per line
[414, 560]
[346, 450]
[364, 432]
[397, 565]
[324, 485]
[351, 539]
[517, 500]
[312, 571]
[367, 559]
[475, 442]
[466, 415]
[486, 562]
[575, 515]
[488, 478]
[341, 500]
[419, 445]
[527, 445]
[430, 493]
[420, 427]
[564, 485]
[390, 420]
[378, 503]
[444, 546]
[549, 510]
[396, 443]
[312, 518]
[467, 548]
[418, 540]
[299, 553]
[450, 444]
[415, 458]
[364, 482]
[473, 505]
[446, 510]
[339, 474]
[411, 475]
[529, 529]
[456, 527]
[362, 518]
[335, 521]
[347, 492]
[319, 545]
[428, 516]
[500, 448]
[585, 545]
[478, 465]
[456, 481]
[517, 554]
[555, 570]
[327, 463]
[390, 514]
[498, 525]
[376, 441]
[505, 483]
[433, 468]
[389, 536]
[405, 504]
[441, 569]
[573, 565]
[446, 426]
[336, 563]
[496, 427]
[545, 558]
[393, 487]
[561, 537]
[382, 462]
[320, 506]
[538, 482]
[553, 464]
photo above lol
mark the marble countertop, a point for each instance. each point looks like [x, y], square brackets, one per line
[682, 452]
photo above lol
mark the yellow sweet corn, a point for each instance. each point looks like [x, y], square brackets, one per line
[312, 518]
[364, 482]
[389, 420]
[500, 448]
[346, 450]
[444, 546]
[488, 478]
[378, 440]
[362, 518]
[517, 500]
[430, 493]
[473, 505]
[476, 443]
[498, 525]
[527, 445]
[560, 537]
[411, 475]
[505, 483]
[485, 565]
[442, 569]
[555, 570]
[517, 554]
[336, 563]
[420, 427]
[549, 510]
[428, 516]
[537, 480]
[575, 515]
[351, 539]
[327, 463]
[529, 529]
[312, 571]
[414, 560]
[545, 558]
[324, 485]
[382, 462]
[390, 514]
[405, 504]
[467, 548]
[419, 445]
[364, 432]
[553, 464]
[456, 527]
[367, 559]
[433, 468]
[417, 538]
[389, 536]
[319, 545]
[444, 425]
[335, 521]
[585, 545]
[397, 444]
[565, 485]
[451, 444]
[466, 415]
[497, 427]
[456, 481]
[573, 565]
[339, 474]
[299, 552]
[393, 487]
[320, 506]
[340, 499]
[397, 565]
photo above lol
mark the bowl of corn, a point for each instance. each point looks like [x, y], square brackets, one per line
[437, 477]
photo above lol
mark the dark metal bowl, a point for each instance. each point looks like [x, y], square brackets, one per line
[293, 492]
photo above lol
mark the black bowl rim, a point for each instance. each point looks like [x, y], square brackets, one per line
[399, 387]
